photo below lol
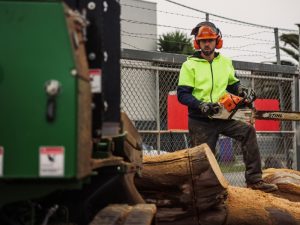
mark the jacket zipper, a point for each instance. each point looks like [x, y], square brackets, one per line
[212, 81]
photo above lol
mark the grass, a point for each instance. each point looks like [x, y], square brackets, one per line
[231, 167]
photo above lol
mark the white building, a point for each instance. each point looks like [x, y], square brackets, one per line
[138, 31]
[138, 25]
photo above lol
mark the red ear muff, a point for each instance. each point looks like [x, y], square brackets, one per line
[219, 42]
[196, 45]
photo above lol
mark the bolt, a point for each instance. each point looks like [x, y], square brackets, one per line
[105, 105]
[105, 55]
[91, 5]
[105, 6]
[92, 56]
[73, 72]
[98, 132]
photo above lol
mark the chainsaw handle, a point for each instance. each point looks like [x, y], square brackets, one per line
[250, 97]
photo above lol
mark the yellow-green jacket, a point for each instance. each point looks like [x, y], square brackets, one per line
[203, 81]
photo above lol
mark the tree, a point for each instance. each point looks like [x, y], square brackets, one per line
[292, 41]
[175, 42]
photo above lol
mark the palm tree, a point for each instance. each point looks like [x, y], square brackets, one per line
[292, 41]
[175, 42]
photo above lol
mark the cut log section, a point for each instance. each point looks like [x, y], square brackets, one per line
[123, 214]
[288, 182]
[190, 180]
[188, 188]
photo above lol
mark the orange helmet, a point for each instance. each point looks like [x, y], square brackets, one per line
[206, 32]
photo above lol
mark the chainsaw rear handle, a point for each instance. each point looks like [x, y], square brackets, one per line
[250, 97]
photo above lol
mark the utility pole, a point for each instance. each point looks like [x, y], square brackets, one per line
[207, 17]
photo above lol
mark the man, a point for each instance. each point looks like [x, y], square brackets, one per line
[204, 78]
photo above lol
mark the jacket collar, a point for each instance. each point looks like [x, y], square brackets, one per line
[197, 55]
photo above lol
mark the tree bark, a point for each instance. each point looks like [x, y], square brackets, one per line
[184, 184]
[188, 187]
[288, 182]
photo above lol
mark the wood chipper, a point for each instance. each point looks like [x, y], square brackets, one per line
[67, 153]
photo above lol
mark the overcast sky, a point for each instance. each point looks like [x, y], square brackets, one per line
[275, 13]
[241, 41]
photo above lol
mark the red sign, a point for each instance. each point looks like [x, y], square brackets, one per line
[177, 114]
[267, 125]
[53, 150]
[95, 77]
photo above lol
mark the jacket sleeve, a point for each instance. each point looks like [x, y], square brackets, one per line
[185, 97]
[232, 75]
[233, 81]
[186, 86]
[186, 75]
[233, 89]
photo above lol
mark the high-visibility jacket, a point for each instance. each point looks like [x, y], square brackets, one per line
[209, 79]
[206, 81]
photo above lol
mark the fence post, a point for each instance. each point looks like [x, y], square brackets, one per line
[297, 108]
[282, 103]
[157, 110]
[277, 46]
[281, 97]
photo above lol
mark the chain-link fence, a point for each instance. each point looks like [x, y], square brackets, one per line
[148, 85]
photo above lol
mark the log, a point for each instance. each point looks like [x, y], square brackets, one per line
[190, 180]
[123, 214]
[287, 180]
[247, 207]
[188, 187]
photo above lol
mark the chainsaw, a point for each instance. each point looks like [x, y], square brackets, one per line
[240, 108]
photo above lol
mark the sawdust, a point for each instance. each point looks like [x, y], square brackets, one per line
[255, 205]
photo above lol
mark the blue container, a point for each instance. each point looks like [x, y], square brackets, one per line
[225, 149]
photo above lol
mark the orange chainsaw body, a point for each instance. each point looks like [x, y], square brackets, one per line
[229, 101]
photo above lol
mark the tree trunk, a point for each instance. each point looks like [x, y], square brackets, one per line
[184, 184]
[188, 188]
[288, 182]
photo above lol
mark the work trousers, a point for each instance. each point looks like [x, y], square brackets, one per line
[208, 131]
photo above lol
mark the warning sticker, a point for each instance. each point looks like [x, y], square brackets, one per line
[52, 161]
[1, 160]
[95, 76]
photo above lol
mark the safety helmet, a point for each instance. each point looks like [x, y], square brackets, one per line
[207, 30]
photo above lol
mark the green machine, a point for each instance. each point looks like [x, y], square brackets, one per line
[64, 155]
[45, 97]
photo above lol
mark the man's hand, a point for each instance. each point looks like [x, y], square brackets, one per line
[246, 93]
[209, 109]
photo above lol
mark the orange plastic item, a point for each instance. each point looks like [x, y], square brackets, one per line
[229, 101]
